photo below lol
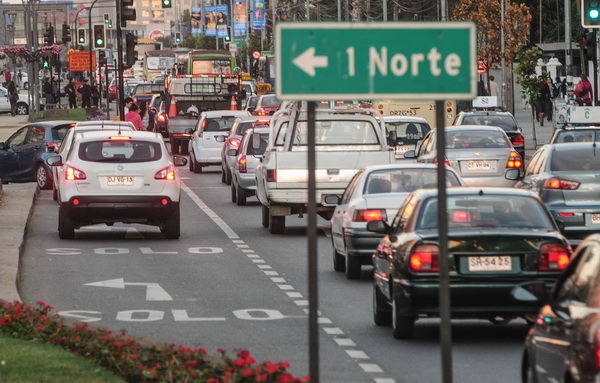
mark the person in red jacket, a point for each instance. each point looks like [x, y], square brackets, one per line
[134, 116]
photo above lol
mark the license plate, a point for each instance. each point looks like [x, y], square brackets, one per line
[491, 263]
[478, 165]
[120, 181]
[596, 218]
[403, 149]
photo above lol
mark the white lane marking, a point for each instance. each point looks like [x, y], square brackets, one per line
[322, 320]
[278, 280]
[182, 316]
[237, 241]
[247, 251]
[267, 272]
[286, 287]
[369, 367]
[294, 295]
[301, 302]
[385, 380]
[153, 290]
[333, 330]
[211, 214]
[243, 246]
[357, 354]
[344, 342]
[259, 261]
[253, 255]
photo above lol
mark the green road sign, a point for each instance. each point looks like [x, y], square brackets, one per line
[412, 60]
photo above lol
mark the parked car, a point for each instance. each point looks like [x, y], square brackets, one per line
[405, 132]
[565, 176]
[203, 147]
[374, 193]
[498, 238]
[563, 344]
[112, 177]
[22, 106]
[266, 105]
[233, 141]
[23, 154]
[482, 155]
[248, 155]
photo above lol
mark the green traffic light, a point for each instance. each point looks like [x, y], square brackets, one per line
[110, 25]
[99, 42]
[81, 41]
[594, 13]
[167, 2]
[46, 64]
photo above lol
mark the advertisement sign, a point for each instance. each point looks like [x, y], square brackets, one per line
[210, 20]
[196, 20]
[222, 11]
[240, 17]
[259, 21]
[80, 61]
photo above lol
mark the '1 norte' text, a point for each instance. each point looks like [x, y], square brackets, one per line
[399, 64]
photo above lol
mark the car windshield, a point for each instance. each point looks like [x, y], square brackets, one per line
[476, 139]
[120, 151]
[505, 122]
[405, 180]
[486, 211]
[575, 159]
[577, 135]
[219, 123]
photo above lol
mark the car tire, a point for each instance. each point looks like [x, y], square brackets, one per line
[403, 326]
[66, 228]
[43, 177]
[339, 263]
[54, 194]
[197, 168]
[276, 223]
[223, 175]
[228, 177]
[21, 109]
[172, 226]
[241, 196]
[381, 315]
[353, 267]
[233, 194]
[174, 146]
[265, 216]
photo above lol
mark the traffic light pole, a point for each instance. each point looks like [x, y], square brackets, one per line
[120, 85]
[90, 38]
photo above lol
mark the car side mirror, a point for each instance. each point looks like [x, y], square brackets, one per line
[55, 161]
[220, 138]
[379, 227]
[332, 200]
[2, 146]
[189, 131]
[179, 160]
[513, 174]
[410, 154]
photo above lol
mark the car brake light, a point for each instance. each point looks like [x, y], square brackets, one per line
[425, 258]
[514, 161]
[263, 121]
[597, 344]
[261, 112]
[161, 117]
[566, 214]
[167, 173]
[74, 174]
[518, 140]
[461, 216]
[234, 142]
[366, 215]
[122, 138]
[557, 183]
[242, 164]
[553, 257]
[271, 175]
[446, 162]
[52, 146]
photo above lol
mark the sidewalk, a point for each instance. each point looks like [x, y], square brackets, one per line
[9, 124]
[542, 133]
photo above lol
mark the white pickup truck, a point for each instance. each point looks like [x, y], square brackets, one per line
[347, 139]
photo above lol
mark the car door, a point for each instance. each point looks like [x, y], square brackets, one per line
[9, 155]
[4, 102]
[31, 150]
[530, 178]
[341, 212]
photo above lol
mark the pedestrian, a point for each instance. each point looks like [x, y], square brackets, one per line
[13, 96]
[143, 111]
[19, 79]
[95, 93]
[47, 91]
[483, 91]
[134, 116]
[493, 87]
[584, 89]
[70, 91]
[126, 104]
[544, 102]
[151, 116]
[55, 92]
[2, 78]
[560, 88]
[7, 77]
[86, 94]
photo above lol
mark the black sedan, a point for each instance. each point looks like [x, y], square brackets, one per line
[23, 155]
[564, 343]
[498, 239]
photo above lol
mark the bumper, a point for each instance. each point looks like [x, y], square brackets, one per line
[246, 181]
[361, 243]
[579, 225]
[498, 181]
[300, 196]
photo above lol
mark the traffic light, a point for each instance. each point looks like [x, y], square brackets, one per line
[110, 23]
[590, 13]
[66, 33]
[166, 3]
[99, 36]
[81, 36]
[227, 38]
[127, 13]
[46, 63]
[130, 52]
[102, 58]
[106, 18]
[49, 35]
[177, 37]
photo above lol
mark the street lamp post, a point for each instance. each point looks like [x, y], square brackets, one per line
[90, 37]
[12, 18]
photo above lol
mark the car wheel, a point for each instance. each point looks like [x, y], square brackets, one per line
[241, 196]
[527, 372]
[233, 194]
[54, 194]
[174, 146]
[66, 228]
[353, 267]
[172, 228]
[276, 223]
[228, 177]
[381, 315]
[339, 263]
[265, 216]
[43, 178]
[223, 175]
[21, 109]
[403, 326]
[193, 163]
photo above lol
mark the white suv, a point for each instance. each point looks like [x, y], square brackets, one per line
[110, 177]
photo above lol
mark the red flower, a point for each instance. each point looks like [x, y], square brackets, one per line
[247, 373]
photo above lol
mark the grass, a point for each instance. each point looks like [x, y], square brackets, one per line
[78, 114]
[23, 361]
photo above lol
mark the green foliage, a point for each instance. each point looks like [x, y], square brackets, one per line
[527, 77]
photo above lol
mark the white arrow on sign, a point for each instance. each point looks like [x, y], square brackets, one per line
[153, 290]
[307, 61]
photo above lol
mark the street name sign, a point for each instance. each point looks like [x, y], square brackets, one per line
[395, 60]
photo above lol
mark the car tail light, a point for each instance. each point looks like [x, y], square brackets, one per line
[461, 216]
[446, 162]
[167, 173]
[366, 215]
[242, 164]
[52, 146]
[119, 138]
[597, 344]
[518, 140]
[514, 161]
[263, 121]
[74, 174]
[425, 258]
[560, 184]
[261, 112]
[203, 124]
[271, 175]
[161, 117]
[234, 141]
[553, 257]
[566, 214]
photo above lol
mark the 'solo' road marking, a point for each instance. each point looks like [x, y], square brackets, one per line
[351, 350]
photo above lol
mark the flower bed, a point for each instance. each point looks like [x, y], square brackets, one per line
[130, 359]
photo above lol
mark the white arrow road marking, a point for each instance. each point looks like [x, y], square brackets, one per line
[307, 61]
[153, 290]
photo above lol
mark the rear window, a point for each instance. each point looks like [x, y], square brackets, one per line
[120, 151]
[264, 140]
[243, 126]
[405, 180]
[406, 132]
[59, 132]
[219, 124]
[476, 139]
[338, 132]
[577, 136]
[149, 88]
[505, 122]
[252, 101]
[575, 159]
[269, 101]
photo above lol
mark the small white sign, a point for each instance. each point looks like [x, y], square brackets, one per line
[485, 102]
[584, 114]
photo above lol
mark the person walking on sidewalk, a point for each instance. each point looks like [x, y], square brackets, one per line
[47, 90]
[13, 96]
[584, 89]
[544, 102]
[70, 91]
[86, 94]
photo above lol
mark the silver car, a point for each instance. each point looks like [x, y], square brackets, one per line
[482, 155]
[375, 193]
[247, 157]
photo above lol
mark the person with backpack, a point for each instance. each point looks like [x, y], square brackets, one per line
[584, 89]
[13, 96]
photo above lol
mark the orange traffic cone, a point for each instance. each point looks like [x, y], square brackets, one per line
[233, 105]
[172, 108]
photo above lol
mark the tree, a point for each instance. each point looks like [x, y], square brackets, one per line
[531, 83]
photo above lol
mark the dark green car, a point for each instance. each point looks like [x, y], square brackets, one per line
[498, 238]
